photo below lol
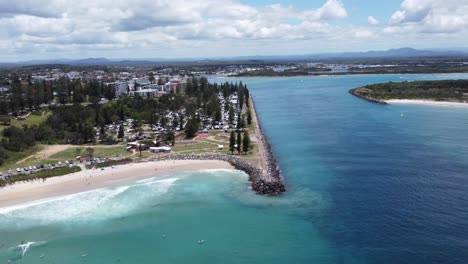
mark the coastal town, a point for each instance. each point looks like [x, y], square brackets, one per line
[157, 116]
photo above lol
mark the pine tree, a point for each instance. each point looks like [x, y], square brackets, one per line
[121, 132]
[246, 142]
[232, 142]
[249, 117]
[239, 142]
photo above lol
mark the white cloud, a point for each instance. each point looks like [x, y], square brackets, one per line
[430, 16]
[120, 22]
[332, 9]
[373, 21]
[212, 27]
[364, 33]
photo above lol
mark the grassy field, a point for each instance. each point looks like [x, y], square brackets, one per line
[193, 147]
[35, 118]
[14, 157]
[68, 154]
[72, 152]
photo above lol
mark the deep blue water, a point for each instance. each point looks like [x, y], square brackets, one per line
[397, 185]
[366, 184]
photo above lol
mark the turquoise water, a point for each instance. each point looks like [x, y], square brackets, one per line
[365, 185]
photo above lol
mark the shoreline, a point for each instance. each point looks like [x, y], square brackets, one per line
[427, 102]
[369, 99]
[344, 74]
[87, 180]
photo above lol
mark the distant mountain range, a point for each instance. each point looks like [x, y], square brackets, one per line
[392, 53]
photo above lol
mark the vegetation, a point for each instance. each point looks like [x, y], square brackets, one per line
[191, 128]
[43, 174]
[446, 90]
[246, 142]
[232, 142]
[239, 142]
[75, 113]
[71, 153]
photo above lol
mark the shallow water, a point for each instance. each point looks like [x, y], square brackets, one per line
[365, 185]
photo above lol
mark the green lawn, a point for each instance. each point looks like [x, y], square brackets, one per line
[69, 154]
[72, 152]
[14, 157]
[198, 146]
[35, 118]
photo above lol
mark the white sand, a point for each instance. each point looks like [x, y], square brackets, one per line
[426, 102]
[86, 180]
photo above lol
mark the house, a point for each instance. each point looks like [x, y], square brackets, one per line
[145, 93]
[160, 149]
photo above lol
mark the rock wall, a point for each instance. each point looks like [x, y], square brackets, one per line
[256, 175]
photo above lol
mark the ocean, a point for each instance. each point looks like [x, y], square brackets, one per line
[366, 183]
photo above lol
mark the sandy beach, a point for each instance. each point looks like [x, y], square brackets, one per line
[24, 192]
[426, 102]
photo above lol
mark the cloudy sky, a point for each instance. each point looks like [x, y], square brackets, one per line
[48, 29]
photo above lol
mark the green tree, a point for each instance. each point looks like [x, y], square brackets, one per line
[246, 142]
[231, 115]
[181, 122]
[232, 142]
[121, 133]
[5, 120]
[170, 137]
[249, 117]
[191, 128]
[3, 155]
[239, 142]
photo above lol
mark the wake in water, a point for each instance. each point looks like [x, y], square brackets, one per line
[25, 247]
[18, 252]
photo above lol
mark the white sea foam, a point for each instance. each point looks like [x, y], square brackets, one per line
[87, 206]
[224, 172]
[25, 247]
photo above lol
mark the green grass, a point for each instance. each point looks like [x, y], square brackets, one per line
[35, 118]
[44, 174]
[198, 146]
[14, 157]
[72, 152]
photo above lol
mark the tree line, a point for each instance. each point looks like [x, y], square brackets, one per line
[75, 123]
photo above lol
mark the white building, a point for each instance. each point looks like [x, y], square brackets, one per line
[121, 88]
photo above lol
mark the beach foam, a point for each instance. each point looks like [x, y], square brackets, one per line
[87, 206]
[25, 247]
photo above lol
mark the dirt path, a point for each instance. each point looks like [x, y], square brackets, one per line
[50, 150]
[261, 150]
[45, 153]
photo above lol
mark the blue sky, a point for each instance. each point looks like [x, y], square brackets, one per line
[359, 10]
[44, 29]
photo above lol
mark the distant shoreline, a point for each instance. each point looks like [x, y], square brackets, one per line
[435, 92]
[342, 74]
[427, 102]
